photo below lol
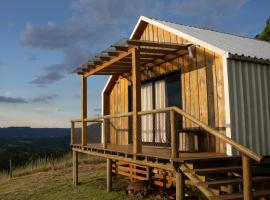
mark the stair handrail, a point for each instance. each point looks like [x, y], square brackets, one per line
[246, 151]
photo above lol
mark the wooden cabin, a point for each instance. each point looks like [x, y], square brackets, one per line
[192, 102]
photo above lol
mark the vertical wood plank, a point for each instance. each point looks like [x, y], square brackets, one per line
[247, 182]
[84, 110]
[136, 89]
[75, 168]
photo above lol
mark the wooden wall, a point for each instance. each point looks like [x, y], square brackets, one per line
[202, 85]
[118, 103]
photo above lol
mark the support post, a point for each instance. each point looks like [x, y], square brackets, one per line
[136, 91]
[180, 185]
[174, 136]
[149, 173]
[247, 181]
[109, 175]
[75, 168]
[105, 132]
[84, 110]
[72, 133]
[10, 168]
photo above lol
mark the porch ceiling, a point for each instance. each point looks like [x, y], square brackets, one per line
[117, 59]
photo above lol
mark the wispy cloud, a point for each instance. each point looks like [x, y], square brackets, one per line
[47, 78]
[33, 58]
[45, 110]
[20, 100]
[44, 99]
[12, 100]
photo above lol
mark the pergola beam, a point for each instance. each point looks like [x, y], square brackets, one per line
[157, 44]
[108, 63]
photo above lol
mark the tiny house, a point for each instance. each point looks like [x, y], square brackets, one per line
[185, 95]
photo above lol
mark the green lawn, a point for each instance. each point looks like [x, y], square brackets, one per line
[57, 184]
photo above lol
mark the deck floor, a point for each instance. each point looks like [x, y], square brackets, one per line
[161, 152]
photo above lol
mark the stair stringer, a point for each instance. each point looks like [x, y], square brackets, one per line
[196, 180]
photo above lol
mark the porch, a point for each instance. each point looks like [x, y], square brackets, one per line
[149, 138]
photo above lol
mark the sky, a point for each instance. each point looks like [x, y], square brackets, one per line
[42, 42]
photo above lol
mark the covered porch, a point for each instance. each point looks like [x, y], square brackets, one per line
[129, 59]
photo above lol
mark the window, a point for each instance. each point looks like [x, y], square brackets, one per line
[157, 93]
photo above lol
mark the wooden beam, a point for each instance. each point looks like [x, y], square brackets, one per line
[136, 90]
[166, 58]
[72, 131]
[247, 180]
[108, 63]
[109, 175]
[174, 138]
[158, 44]
[75, 167]
[129, 58]
[84, 110]
[163, 51]
[180, 185]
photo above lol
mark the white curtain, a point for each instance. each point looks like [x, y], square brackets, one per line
[160, 121]
[147, 120]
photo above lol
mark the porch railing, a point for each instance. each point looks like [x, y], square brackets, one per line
[176, 115]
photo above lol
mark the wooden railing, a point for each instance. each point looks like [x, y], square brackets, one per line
[247, 154]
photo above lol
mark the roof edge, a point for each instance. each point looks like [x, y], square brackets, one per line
[176, 32]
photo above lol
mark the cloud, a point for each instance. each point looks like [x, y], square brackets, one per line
[12, 100]
[44, 110]
[52, 36]
[47, 78]
[73, 57]
[33, 58]
[96, 24]
[44, 99]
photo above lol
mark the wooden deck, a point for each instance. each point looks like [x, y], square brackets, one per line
[156, 151]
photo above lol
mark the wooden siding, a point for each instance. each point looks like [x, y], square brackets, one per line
[119, 104]
[202, 84]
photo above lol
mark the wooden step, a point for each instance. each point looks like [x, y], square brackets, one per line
[215, 170]
[239, 196]
[233, 181]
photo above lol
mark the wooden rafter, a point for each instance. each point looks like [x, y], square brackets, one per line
[118, 58]
[107, 64]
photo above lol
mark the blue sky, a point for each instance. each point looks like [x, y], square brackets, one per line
[41, 42]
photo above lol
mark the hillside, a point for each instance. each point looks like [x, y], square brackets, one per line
[56, 184]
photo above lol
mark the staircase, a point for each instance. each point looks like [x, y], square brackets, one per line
[221, 178]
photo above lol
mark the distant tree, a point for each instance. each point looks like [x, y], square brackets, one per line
[265, 34]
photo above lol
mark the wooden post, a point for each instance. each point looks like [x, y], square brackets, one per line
[75, 168]
[72, 133]
[105, 133]
[136, 91]
[247, 181]
[174, 136]
[109, 175]
[10, 168]
[180, 185]
[149, 173]
[84, 110]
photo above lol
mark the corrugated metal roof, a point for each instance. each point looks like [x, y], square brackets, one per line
[232, 44]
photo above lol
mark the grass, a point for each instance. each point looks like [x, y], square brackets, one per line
[54, 181]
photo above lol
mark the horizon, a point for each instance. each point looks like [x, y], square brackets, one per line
[43, 42]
